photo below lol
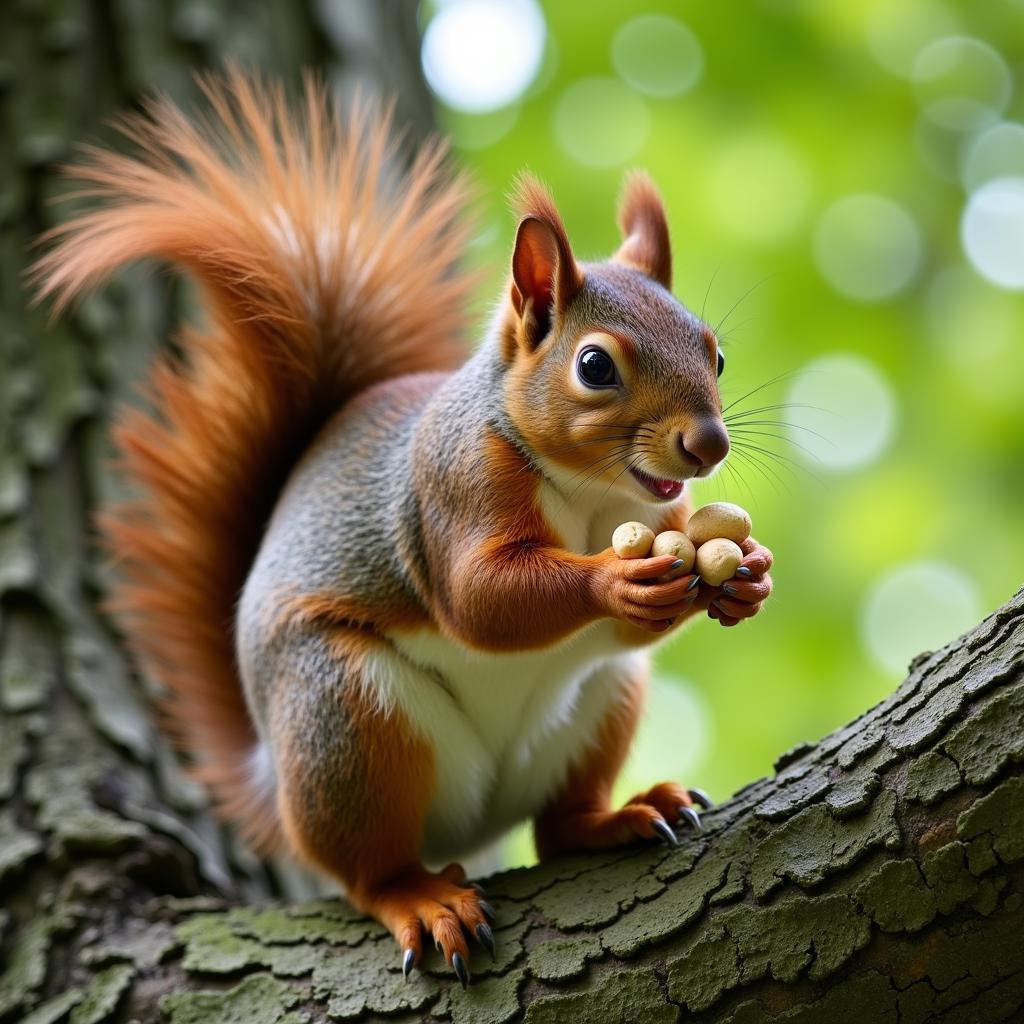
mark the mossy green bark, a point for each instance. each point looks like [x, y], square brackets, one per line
[909, 909]
[879, 876]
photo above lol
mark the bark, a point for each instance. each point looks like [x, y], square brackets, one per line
[877, 877]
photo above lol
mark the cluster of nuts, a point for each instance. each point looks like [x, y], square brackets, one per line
[711, 543]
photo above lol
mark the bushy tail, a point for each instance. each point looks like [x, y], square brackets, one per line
[324, 270]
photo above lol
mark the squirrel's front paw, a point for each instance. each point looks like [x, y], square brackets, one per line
[742, 596]
[642, 591]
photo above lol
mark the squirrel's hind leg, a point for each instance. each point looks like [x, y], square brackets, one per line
[354, 784]
[580, 816]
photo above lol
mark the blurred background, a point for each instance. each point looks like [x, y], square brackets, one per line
[845, 187]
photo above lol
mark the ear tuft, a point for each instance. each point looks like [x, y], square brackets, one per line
[645, 245]
[545, 274]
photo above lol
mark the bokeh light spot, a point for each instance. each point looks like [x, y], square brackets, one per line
[897, 32]
[842, 412]
[992, 231]
[973, 324]
[601, 122]
[657, 55]
[479, 131]
[479, 55]
[758, 188]
[919, 606]
[997, 152]
[962, 83]
[867, 247]
[672, 737]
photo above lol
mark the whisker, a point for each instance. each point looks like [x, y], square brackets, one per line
[777, 437]
[734, 475]
[753, 288]
[758, 468]
[777, 407]
[707, 293]
[770, 473]
[629, 465]
[586, 444]
[754, 497]
[723, 338]
[744, 423]
[604, 464]
[594, 471]
[617, 425]
[760, 387]
[789, 465]
[751, 447]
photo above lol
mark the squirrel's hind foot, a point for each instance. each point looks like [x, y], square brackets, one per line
[650, 815]
[442, 905]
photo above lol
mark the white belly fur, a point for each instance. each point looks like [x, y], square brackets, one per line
[505, 728]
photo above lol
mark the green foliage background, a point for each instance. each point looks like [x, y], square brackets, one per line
[801, 75]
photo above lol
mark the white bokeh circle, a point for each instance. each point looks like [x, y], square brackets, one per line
[867, 247]
[997, 152]
[601, 122]
[657, 55]
[919, 606]
[962, 83]
[992, 232]
[841, 412]
[481, 55]
[897, 32]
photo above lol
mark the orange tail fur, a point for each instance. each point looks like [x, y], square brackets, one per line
[323, 271]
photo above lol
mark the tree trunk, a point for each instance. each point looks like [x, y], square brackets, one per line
[878, 877]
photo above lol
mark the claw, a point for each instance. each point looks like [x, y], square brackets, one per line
[700, 797]
[661, 827]
[408, 959]
[488, 910]
[486, 938]
[460, 968]
[688, 814]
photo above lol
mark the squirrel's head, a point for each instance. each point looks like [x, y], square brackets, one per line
[609, 376]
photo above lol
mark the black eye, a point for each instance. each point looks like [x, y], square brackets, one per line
[721, 362]
[596, 369]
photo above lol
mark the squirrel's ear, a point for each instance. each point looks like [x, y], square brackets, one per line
[645, 245]
[545, 275]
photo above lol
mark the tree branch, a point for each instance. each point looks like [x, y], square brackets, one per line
[878, 876]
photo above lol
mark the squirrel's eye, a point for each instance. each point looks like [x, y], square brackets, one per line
[721, 362]
[596, 369]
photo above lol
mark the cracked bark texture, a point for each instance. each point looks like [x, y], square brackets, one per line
[879, 876]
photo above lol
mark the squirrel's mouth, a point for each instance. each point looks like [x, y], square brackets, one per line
[666, 490]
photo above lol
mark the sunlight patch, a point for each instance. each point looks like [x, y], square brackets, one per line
[919, 606]
[480, 55]
[842, 412]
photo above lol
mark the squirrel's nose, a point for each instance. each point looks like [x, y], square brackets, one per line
[704, 441]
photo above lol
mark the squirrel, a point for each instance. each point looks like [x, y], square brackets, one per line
[370, 567]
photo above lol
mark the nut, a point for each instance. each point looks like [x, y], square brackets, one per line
[672, 542]
[717, 560]
[719, 519]
[632, 540]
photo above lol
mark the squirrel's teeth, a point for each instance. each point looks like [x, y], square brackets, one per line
[659, 486]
